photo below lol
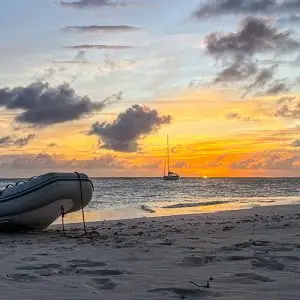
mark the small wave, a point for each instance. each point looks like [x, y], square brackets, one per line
[183, 205]
[147, 209]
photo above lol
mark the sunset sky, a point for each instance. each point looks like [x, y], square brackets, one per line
[96, 86]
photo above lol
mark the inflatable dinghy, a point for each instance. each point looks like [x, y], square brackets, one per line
[38, 202]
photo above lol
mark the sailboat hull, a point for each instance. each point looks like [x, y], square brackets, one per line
[171, 177]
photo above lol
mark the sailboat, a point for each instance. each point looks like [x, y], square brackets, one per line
[170, 175]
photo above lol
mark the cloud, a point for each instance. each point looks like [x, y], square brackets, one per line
[99, 47]
[57, 162]
[181, 165]
[130, 126]
[277, 87]
[224, 7]
[261, 79]
[236, 71]
[284, 100]
[43, 105]
[91, 3]
[238, 51]
[288, 107]
[255, 35]
[268, 160]
[9, 141]
[153, 165]
[104, 162]
[296, 143]
[103, 28]
[237, 116]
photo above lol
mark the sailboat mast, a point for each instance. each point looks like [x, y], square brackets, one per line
[168, 153]
[165, 165]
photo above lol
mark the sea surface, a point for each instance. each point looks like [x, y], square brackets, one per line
[124, 198]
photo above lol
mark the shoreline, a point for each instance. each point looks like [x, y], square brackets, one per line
[92, 216]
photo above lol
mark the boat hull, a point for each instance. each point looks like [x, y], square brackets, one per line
[171, 178]
[36, 204]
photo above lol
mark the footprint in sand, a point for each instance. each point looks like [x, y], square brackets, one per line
[23, 277]
[88, 267]
[43, 270]
[86, 263]
[281, 249]
[238, 258]
[197, 261]
[270, 264]
[102, 284]
[288, 257]
[98, 272]
[39, 267]
[252, 278]
[29, 259]
[183, 292]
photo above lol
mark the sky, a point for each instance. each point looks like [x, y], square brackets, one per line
[97, 85]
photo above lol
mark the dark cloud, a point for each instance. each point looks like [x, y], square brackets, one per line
[288, 107]
[130, 126]
[258, 81]
[24, 140]
[261, 79]
[239, 117]
[9, 141]
[96, 28]
[255, 35]
[100, 47]
[238, 51]
[296, 143]
[276, 88]
[43, 105]
[5, 141]
[224, 7]
[236, 71]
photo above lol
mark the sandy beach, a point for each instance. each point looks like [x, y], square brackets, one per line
[245, 254]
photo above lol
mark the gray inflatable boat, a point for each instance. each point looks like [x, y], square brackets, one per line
[38, 202]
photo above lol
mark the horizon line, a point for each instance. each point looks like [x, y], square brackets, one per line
[182, 177]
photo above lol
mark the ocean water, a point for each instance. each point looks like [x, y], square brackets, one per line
[122, 198]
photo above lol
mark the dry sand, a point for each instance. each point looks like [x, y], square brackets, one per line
[249, 254]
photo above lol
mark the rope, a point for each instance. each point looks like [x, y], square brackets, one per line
[62, 219]
[82, 212]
